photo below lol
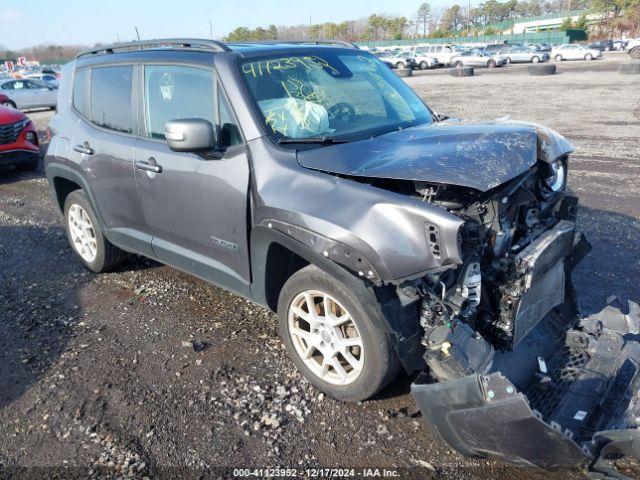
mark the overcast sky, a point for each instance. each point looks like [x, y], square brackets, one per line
[29, 22]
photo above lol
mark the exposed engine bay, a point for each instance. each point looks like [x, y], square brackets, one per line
[513, 371]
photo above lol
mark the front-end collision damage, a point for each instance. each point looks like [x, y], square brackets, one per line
[567, 408]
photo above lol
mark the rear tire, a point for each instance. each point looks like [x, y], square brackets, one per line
[458, 64]
[9, 104]
[558, 58]
[308, 335]
[635, 53]
[424, 66]
[400, 65]
[86, 238]
[491, 64]
[588, 57]
[535, 60]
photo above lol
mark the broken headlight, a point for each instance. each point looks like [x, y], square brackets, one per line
[554, 176]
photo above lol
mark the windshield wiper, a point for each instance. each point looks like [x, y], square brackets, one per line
[316, 140]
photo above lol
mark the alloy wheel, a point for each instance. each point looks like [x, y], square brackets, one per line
[325, 337]
[83, 235]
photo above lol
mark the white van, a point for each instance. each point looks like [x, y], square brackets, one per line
[441, 52]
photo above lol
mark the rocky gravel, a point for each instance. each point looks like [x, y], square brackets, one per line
[148, 372]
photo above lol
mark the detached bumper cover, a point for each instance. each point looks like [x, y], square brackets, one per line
[590, 407]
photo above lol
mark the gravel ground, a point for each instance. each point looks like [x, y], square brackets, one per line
[99, 375]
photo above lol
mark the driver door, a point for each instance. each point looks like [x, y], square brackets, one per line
[194, 208]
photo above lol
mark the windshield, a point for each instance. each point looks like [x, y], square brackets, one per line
[331, 95]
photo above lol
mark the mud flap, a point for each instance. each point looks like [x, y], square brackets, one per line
[585, 409]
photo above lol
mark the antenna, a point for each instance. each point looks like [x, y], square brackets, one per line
[137, 34]
[211, 29]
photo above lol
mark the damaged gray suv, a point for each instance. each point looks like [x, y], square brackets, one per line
[312, 180]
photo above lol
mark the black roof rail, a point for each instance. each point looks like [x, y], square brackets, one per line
[311, 41]
[197, 43]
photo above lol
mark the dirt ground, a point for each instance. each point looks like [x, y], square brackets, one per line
[98, 378]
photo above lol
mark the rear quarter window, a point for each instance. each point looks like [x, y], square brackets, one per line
[110, 98]
[80, 89]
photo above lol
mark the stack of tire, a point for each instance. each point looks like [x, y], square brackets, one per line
[539, 69]
[461, 71]
[632, 68]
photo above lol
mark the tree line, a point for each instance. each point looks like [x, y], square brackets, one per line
[616, 17]
[489, 17]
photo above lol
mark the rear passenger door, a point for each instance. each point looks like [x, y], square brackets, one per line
[195, 208]
[102, 146]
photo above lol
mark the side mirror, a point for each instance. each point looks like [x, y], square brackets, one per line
[190, 135]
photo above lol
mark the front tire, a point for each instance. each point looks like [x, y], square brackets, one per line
[588, 57]
[331, 339]
[558, 58]
[400, 65]
[535, 60]
[9, 104]
[491, 64]
[85, 235]
[424, 66]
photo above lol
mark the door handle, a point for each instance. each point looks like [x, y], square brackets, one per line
[148, 167]
[84, 148]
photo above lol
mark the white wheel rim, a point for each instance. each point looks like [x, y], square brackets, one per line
[83, 236]
[326, 337]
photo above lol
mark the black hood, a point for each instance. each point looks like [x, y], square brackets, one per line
[475, 155]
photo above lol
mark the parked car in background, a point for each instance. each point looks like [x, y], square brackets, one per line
[442, 53]
[633, 48]
[543, 47]
[602, 45]
[19, 144]
[46, 78]
[522, 54]
[26, 93]
[574, 52]
[496, 47]
[397, 59]
[423, 62]
[477, 58]
[620, 44]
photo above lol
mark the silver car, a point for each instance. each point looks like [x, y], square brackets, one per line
[477, 58]
[521, 54]
[574, 52]
[26, 93]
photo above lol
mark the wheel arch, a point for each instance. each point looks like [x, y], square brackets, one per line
[276, 256]
[379, 302]
[63, 180]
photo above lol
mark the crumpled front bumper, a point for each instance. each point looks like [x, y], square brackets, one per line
[588, 409]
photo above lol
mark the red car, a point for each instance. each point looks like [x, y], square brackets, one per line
[19, 144]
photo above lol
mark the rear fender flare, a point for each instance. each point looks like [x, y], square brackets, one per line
[57, 170]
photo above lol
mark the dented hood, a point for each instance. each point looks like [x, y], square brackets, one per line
[475, 155]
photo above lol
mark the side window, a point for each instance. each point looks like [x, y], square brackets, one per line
[229, 131]
[110, 98]
[439, 49]
[19, 85]
[8, 86]
[80, 88]
[174, 92]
